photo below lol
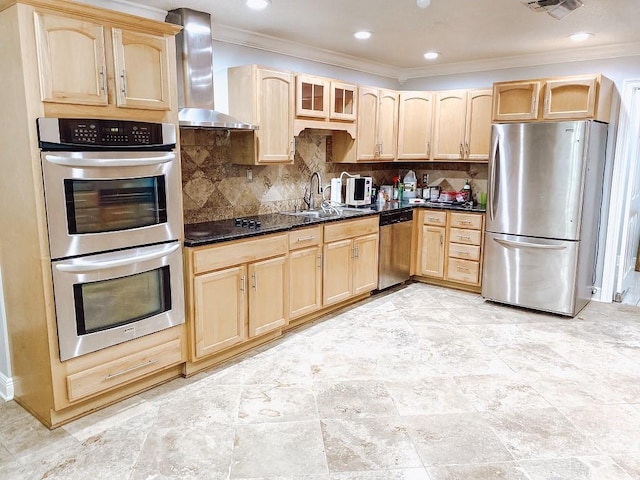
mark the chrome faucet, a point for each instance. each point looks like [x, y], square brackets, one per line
[310, 201]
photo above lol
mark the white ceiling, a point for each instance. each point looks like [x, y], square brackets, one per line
[470, 35]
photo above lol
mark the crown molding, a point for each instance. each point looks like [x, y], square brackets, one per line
[267, 43]
[549, 58]
[131, 8]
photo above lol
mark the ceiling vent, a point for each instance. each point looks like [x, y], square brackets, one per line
[558, 9]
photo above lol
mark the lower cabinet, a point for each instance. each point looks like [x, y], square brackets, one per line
[350, 259]
[237, 292]
[305, 271]
[450, 246]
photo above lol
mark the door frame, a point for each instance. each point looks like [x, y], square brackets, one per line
[628, 132]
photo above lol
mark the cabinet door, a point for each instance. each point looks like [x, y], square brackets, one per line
[275, 116]
[366, 138]
[478, 123]
[312, 96]
[141, 70]
[267, 307]
[220, 310]
[365, 265]
[305, 281]
[414, 125]
[432, 254]
[571, 98]
[71, 60]
[388, 125]
[449, 129]
[337, 279]
[515, 101]
[343, 101]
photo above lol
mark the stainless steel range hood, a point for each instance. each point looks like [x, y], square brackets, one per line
[194, 49]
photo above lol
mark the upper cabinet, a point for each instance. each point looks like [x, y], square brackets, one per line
[109, 65]
[415, 116]
[462, 125]
[567, 98]
[324, 98]
[377, 128]
[266, 98]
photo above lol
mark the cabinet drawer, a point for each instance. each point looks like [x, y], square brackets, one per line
[434, 218]
[466, 220]
[210, 258]
[463, 270]
[470, 237]
[350, 229]
[305, 238]
[123, 370]
[465, 252]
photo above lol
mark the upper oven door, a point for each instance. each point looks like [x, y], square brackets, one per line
[99, 201]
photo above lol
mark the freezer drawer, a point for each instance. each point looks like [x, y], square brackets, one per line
[531, 272]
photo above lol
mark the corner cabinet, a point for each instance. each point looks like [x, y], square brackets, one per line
[266, 98]
[580, 97]
[450, 248]
[415, 117]
[350, 259]
[377, 130]
[236, 291]
[462, 125]
[110, 65]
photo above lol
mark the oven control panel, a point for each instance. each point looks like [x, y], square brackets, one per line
[77, 132]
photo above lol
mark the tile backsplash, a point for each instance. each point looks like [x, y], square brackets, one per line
[213, 188]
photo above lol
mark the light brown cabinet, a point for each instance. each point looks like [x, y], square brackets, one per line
[462, 125]
[450, 247]
[136, 76]
[305, 271]
[377, 129]
[415, 117]
[325, 99]
[579, 97]
[431, 243]
[237, 291]
[350, 259]
[266, 98]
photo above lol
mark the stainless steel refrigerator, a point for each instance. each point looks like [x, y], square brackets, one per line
[543, 211]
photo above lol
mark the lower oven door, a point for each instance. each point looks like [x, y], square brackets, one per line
[105, 299]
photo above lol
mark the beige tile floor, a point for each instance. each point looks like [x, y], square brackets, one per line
[420, 383]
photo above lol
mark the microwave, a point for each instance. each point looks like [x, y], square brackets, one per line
[358, 191]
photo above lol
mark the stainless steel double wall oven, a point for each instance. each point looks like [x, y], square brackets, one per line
[112, 193]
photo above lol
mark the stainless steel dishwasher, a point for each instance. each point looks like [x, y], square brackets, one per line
[394, 262]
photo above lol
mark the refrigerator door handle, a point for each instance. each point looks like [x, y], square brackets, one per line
[495, 155]
[510, 244]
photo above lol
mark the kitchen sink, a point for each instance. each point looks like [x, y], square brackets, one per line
[332, 213]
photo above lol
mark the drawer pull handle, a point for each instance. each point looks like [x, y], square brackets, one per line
[242, 284]
[465, 222]
[305, 239]
[462, 254]
[463, 269]
[432, 219]
[111, 376]
[255, 281]
[319, 261]
[464, 237]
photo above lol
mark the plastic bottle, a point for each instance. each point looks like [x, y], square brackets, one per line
[466, 192]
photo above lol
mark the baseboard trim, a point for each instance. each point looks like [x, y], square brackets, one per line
[6, 387]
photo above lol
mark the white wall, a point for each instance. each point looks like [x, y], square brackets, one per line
[6, 383]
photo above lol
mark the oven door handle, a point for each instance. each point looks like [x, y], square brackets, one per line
[150, 253]
[75, 159]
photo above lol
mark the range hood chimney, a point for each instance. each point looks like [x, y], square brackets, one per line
[194, 49]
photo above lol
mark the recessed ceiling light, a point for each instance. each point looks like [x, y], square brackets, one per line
[431, 55]
[424, 3]
[362, 35]
[258, 4]
[580, 37]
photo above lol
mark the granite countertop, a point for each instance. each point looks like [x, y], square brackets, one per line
[205, 233]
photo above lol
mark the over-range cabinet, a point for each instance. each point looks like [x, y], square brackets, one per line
[543, 212]
[91, 220]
